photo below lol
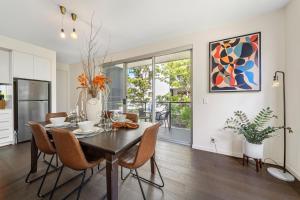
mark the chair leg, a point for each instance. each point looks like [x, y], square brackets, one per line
[44, 177]
[57, 179]
[28, 175]
[122, 177]
[83, 182]
[140, 184]
[80, 187]
[151, 182]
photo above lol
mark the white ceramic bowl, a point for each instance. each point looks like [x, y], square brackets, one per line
[86, 126]
[57, 121]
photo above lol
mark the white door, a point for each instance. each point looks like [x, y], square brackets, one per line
[62, 98]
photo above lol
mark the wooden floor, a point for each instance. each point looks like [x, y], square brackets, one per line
[188, 174]
[175, 135]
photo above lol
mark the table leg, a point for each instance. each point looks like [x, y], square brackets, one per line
[112, 177]
[34, 156]
[152, 164]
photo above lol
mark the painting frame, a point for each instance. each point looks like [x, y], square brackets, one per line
[211, 90]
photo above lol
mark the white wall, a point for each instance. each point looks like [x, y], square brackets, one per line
[209, 118]
[12, 44]
[293, 92]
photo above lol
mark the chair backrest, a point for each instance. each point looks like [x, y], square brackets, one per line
[132, 116]
[147, 145]
[53, 115]
[41, 138]
[142, 112]
[68, 149]
[107, 114]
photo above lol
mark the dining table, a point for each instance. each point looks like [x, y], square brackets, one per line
[111, 144]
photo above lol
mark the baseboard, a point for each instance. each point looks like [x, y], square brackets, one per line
[219, 151]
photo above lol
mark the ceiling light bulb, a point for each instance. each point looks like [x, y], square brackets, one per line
[74, 34]
[62, 34]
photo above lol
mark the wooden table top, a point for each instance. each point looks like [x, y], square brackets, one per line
[114, 141]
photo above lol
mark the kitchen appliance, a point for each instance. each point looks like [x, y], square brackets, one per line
[31, 103]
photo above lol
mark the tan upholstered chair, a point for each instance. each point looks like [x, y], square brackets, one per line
[132, 116]
[72, 156]
[45, 146]
[53, 115]
[137, 156]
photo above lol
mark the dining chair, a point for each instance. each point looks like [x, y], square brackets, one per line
[45, 146]
[47, 120]
[132, 116]
[53, 115]
[163, 117]
[71, 155]
[143, 115]
[138, 155]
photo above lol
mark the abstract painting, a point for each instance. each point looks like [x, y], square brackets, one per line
[235, 64]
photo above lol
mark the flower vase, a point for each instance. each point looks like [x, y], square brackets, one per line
[94, 110]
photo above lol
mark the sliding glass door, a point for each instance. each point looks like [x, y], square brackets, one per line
[158, 89]
[117, 90]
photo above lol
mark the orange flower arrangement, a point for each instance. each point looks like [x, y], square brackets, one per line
[97, 84]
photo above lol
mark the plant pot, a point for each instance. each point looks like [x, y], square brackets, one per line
[2, 104]
[253, 150]
[94, 110]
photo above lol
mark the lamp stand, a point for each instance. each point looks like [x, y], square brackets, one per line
[282, 174]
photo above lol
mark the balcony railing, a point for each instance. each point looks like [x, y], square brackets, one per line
[179, 112]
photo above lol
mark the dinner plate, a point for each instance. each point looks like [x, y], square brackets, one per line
[60, 125]
[80, 132]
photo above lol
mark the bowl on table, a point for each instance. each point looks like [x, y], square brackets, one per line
[86, 126]
[58, 121]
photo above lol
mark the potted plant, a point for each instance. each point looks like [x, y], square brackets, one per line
[255, 131]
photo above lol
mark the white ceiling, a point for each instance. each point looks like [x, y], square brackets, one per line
[125, 23]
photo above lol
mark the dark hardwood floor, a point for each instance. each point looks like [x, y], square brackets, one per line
[188, 174]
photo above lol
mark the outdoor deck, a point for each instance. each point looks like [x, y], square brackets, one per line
[176, 135]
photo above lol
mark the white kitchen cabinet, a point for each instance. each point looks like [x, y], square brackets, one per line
[31, 67]
[42, 69]
[5, 75]
[23, 66]
[6, 127]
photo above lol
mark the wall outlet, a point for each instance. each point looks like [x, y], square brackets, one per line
[212, 140]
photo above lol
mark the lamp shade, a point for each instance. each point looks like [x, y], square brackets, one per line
[275, 83]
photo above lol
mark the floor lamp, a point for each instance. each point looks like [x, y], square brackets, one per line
[281, 174]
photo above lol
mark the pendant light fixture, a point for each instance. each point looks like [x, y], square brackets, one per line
[63, 11]
[74, 34]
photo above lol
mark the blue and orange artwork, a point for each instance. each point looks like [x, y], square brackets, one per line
[235, 64]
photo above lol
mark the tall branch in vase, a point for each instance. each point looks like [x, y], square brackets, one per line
[91, 79]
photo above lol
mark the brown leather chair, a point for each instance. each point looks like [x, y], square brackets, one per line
[53, 115]
[132, 116]
[107, 114]
[138, 155]
[72, 156]
[45, 146]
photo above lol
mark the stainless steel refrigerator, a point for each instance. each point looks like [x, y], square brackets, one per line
[31, 103]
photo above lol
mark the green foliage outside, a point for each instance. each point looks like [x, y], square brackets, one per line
[177, 75]
[257, 130]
